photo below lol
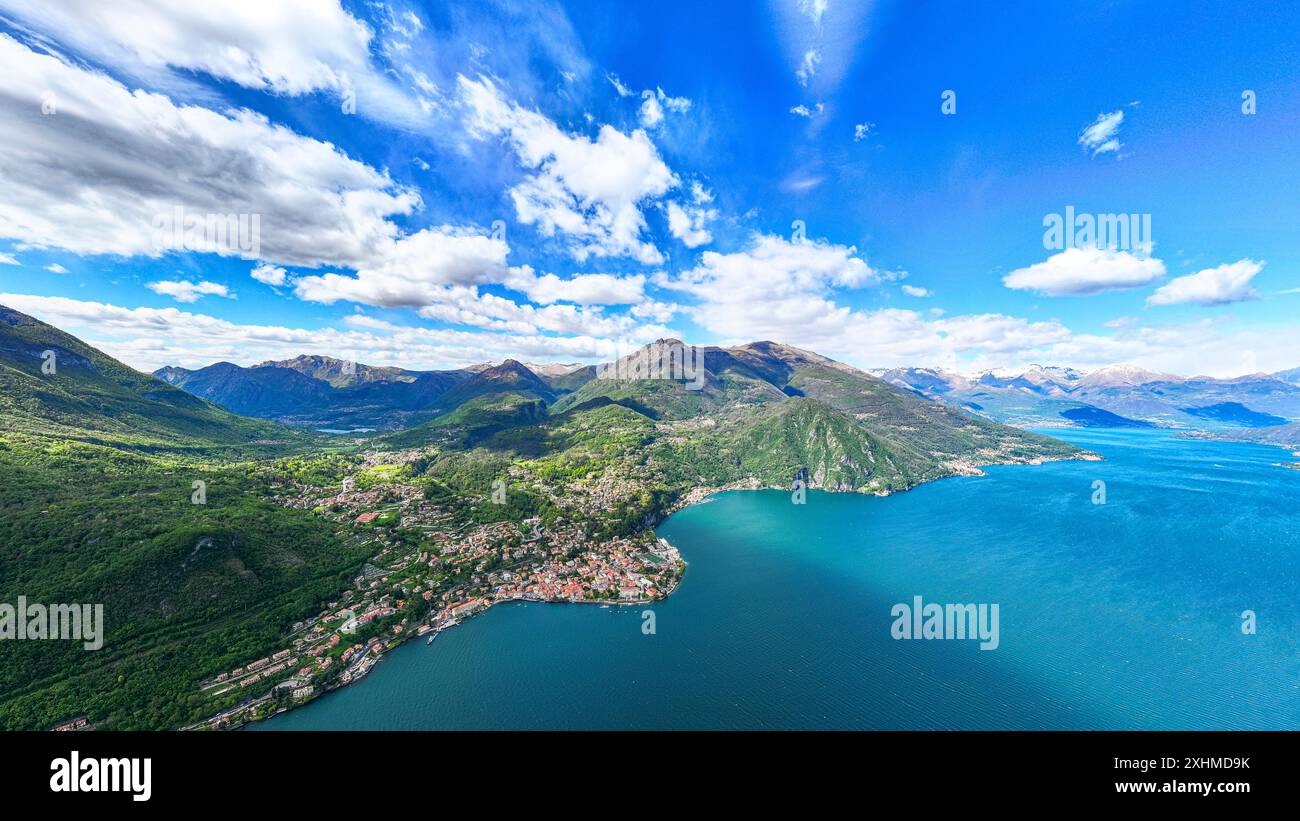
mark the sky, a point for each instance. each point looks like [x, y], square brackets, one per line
[433, 185]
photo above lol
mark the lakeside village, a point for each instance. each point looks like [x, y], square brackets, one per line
[429, 573]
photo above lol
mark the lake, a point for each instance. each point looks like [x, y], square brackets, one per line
[1120, 615]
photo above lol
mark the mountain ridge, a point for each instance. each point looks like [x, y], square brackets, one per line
[52, 382]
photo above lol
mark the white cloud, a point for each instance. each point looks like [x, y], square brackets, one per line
[148, 338]
[861, 131]
[1101, 136]
[269, 274]
[284, 47]
[913, 290]
[772, 292]
[787, 291]
[1084, 271]
[587, 191]
[814, 9]
[56, 268]
[491, 312]
[808, 66]
[623, 90]
[413, 271]
[688, 224]
[93, 177]
[406, 23]
[774, 265]
[583, 289]
[804, 111]
[771, 288]
[654, 101]
[184, 291]
[677, 105]
[8, 259]
[1214, 346]
[833, 31]
[1213, 286]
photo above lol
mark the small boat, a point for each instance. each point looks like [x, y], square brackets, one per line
[432, 636]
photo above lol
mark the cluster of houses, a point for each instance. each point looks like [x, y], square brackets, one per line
[448, 572]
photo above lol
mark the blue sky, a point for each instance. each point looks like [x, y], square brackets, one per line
[441, 184]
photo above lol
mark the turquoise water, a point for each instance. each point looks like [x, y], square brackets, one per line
[1125, 615]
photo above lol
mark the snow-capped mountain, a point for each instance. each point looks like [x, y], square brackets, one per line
[1039, 394]
[1124, 376]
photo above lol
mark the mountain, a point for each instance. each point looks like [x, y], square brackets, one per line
[1167, 400]
[926, 380]
[554, 370]
[266, 390]
[1286, 436]
[1121, 376]
[766, 411]
[937, 430]
[320, 391]
[509, 377]
[340, 373]
[1049, 381]
[827, 447]
[472, 421]
[1040, 395]
[1292, 376]
[122, 490]
[854, 430]
[90, 396]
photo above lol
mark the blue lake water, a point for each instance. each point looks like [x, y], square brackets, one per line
[1123, 615]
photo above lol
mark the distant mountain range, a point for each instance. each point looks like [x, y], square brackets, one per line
[762, 412]
[328, 393]
[1040, 395]
[320, 391]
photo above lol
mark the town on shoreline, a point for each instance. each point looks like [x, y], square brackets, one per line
[430, 570]
[431, 567]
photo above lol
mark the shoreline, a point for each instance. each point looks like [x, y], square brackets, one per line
[694, 496]
[405, 640]
[1292, 450]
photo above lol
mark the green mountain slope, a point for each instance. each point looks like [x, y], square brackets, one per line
[99, 504]
[471, 422]
[508, 377]
[743, 385]
[899, 416]
[726, 383]
[88, 395]
[805, 435]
